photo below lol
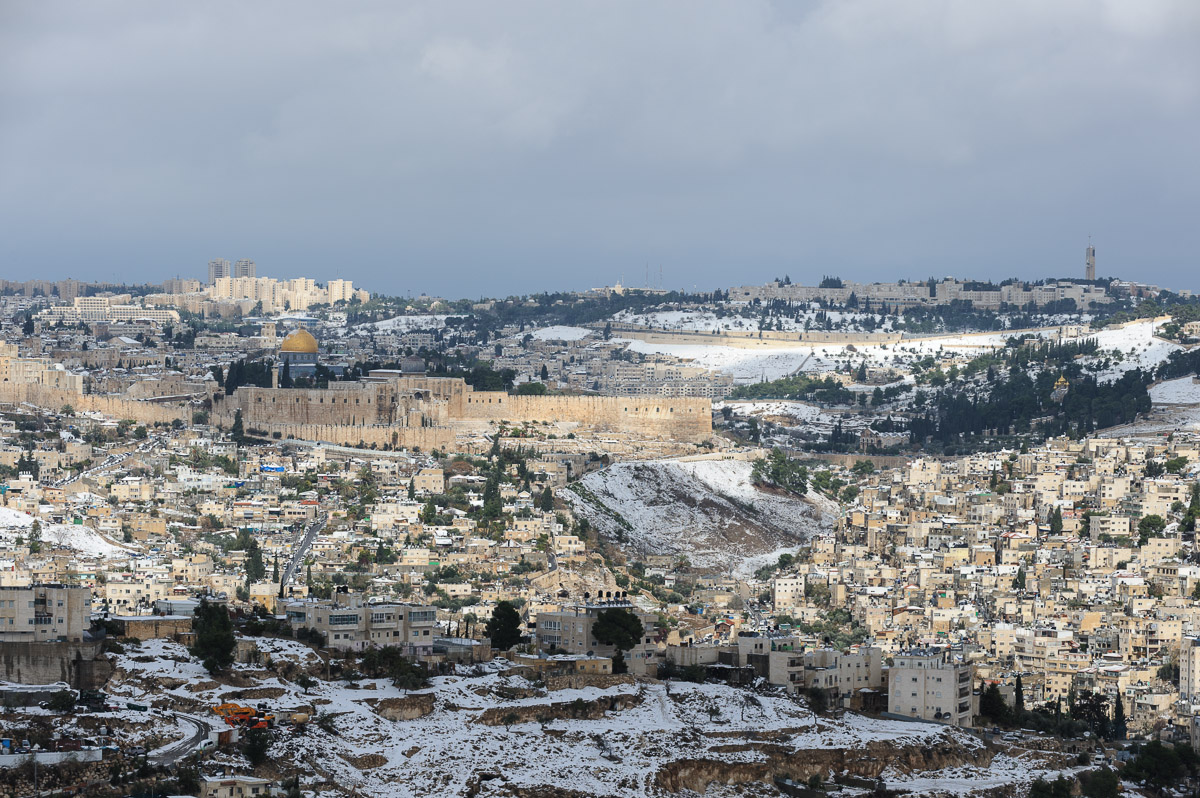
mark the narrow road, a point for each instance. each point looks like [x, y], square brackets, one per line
[111, 461]
[301, 549]
[179, 750]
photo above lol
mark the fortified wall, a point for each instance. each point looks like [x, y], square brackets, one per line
[753, 339]
[410, 411]
[55, 398]
[383, 414]
[416, 410]
[688, 420]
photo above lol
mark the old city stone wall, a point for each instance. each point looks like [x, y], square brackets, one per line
[422, 411]
[754, 339]
[55, 398]
[682, 419]
[381, 436]
[407, 412]
[370, 414]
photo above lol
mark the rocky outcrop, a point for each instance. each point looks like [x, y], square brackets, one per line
[578, 681]
[574, 710]
[410, 707]
[781, 761]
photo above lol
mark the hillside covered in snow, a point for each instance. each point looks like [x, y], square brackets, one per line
[490, 731]
[705, 510]
[74, 537]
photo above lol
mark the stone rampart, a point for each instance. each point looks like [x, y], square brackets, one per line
[753, 339]
[681, 419]
[381, 435]
[55, 398]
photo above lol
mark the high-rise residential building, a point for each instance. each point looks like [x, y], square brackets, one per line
[1189, 670]
[217, 268]
[1091, 262]
[244, 268]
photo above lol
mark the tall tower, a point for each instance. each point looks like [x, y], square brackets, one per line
[244, 268]
[218, 267]
[1091, 262]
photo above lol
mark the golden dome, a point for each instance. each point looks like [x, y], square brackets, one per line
[300, 341]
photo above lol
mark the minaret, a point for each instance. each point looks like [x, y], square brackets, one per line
[1091, 262]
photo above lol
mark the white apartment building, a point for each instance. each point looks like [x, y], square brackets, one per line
[350, 623]
[91, 309]
[787, 592]
[931, 684]
[44, 613]
[1189, 670]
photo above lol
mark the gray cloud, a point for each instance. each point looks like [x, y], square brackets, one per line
[482, 148]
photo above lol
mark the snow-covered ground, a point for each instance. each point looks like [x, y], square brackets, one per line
[1136, 342]
[802, 415]
[1176, 407]
[707, 510]
[1138, 346]
[1183, 391]
[406, 323]
[561, 333]
[708, 321]
[626, 750]
[79, 538]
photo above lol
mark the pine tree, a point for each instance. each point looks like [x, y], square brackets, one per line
[1019, 699]
[275, 569]
[215, 642]
[504, 627]
[238, 433]
[546, 503]
[1056, 521]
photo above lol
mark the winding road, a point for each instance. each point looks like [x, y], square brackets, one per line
[172, 754]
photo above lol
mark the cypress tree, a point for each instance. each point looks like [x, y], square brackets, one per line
[1119, 726]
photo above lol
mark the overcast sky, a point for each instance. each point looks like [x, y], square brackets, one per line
[470, 149]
